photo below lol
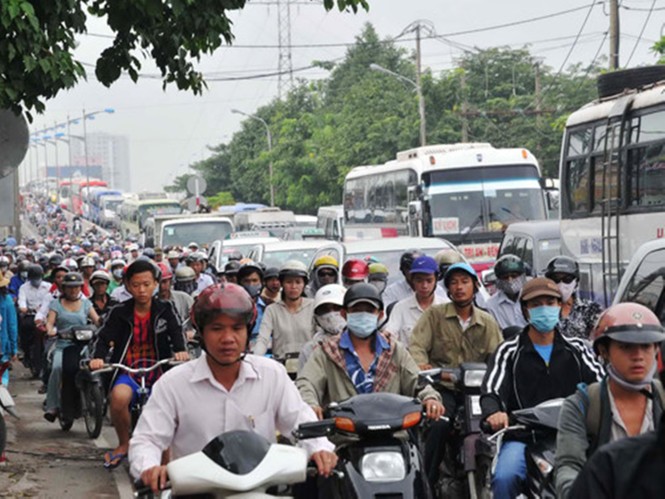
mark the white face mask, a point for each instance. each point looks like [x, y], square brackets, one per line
[331, 323]
[567, 290]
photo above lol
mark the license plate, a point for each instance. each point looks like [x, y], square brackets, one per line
[475, 405]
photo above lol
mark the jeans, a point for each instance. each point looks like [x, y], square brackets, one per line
[55, 379]
[510, 471]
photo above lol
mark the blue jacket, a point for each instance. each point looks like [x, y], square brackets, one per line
[9, 326]
[14, 284]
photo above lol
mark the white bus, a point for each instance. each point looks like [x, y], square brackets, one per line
[612, 175]
[465, 193]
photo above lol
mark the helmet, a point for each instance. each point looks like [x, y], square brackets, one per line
[629, 323]
[193, 246]
[72, 279]
[149, 252]
[70, 264]
[460, 267]
[293, 268]
[184, 274]
[118, 262]
[4, 260]
[231, 268]
[509, 264]
[249, 268]
[378, 271]
[331, 293]
[424, 265]
[166, 272]
[562, 265]
[35, 272]
[23, 266]
[407, 258]
[196, 256]
[100, 275]
[445, 258]
[54, 260]
[362, 292]
[173, 254]
[271, 272]
[326, 261]
[234, 255]
[355, 269]
[87, 262]
[224, 298]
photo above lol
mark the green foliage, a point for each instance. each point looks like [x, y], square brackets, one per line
[223, 198]
[659, 49]
[179, 184]
[37, 41]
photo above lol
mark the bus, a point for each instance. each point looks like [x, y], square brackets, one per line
[95, 198]
[465, 193]
[135, 212]
[82, 188]
[612, 179]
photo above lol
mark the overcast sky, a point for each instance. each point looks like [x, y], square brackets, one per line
[170, 130]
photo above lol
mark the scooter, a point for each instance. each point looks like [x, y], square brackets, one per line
[466, 474]
[538, 427]
[237, 464]
[6, 406]
[81, 393]
[290, 362]
[377, 458]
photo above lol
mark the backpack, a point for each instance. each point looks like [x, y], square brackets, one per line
[591, 394]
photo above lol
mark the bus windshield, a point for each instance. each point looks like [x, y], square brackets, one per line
[151, 210]
[200, 232]
[483, 199]
[112, 205]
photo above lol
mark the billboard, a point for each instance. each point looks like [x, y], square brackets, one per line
[93, 171]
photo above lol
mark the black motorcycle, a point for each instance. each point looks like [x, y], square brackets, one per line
[378, 455]
[32, 343]
[81, 392]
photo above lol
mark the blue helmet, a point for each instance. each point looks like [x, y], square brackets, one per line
[457, 267]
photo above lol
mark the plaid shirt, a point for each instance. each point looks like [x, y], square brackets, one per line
[141, 351]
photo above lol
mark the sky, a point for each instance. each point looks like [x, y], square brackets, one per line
[169, 130]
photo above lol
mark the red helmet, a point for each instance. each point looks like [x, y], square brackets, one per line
[165, 270]
[628, 323]
[355, 269]
[224, 298]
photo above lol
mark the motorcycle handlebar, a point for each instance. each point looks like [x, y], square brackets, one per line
[130, 370]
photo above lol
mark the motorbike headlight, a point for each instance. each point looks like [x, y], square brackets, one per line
[473, 378]
[544, 466]
[383, 467]
[84, 334]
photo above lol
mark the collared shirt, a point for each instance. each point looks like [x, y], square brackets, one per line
[400, 290]
[120, 294]
[188, 407]
[288, 330]
[361, 379]
[203, 282]
[31, 297]
[618, 429]
[506, 311]
[404, 316]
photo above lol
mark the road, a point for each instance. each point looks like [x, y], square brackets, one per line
[44, 461]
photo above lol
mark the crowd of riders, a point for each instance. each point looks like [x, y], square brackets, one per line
[351, 327]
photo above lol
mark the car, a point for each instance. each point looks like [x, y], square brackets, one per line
[643, 281]
[536, 243]
[237, 242]
[275, 254]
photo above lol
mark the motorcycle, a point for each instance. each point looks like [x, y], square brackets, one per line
[32, 343]
[81, 392]
[376, 457]
[237, 464]
[538, 427]
[6, 406]
[290, 362]
[465, 475]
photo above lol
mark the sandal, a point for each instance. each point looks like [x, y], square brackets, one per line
[112, 461]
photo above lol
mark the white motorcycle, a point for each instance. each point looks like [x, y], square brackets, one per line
[234, 465]
[6, 406]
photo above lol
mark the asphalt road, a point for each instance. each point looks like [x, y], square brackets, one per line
[44, 461]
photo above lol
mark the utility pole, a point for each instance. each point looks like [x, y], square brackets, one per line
[465, 108]
[538, 106]
[285, 65]
[419, 90]
[614, 34]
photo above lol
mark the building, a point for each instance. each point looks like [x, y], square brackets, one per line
[109, 151]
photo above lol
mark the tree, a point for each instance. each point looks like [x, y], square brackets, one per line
[224, 198]
[179, 184]
[37, 40]
[659, 49]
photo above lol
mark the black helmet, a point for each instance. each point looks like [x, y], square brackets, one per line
[55, 260]
[72, 279]
[360, 292]
[149, 252]
[271, 272]
[232, 267]
[249, 268]
[35, 272]
[407, 258]
[509, 264]
[562, 265]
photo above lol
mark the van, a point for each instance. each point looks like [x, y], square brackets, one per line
[536, 243]
[331, 220]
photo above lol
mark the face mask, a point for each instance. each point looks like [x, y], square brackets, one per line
[36, 283]
[512, 287]
[331, 323]
[254, 291]
[544, 318]
[23, 275]
[567, 290]
[362, 324]
[117, 273]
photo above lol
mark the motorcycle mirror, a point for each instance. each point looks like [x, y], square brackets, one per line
[314, 429]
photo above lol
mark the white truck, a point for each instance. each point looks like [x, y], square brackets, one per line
[180, 230]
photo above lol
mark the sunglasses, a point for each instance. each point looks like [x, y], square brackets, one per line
[566, 279]
[327, 274]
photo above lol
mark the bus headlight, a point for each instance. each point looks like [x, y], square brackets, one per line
[383, 467]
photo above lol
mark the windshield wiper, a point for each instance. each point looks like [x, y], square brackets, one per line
[510, 212]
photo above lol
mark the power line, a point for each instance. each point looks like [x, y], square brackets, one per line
[639, 37]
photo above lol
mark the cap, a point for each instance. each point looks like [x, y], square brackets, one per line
[540, 286]
[172, 254]
[424, 265]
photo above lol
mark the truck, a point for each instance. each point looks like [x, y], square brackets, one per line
[182, 229]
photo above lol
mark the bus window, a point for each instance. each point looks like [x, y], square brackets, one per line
[578, 182]
[646, 176]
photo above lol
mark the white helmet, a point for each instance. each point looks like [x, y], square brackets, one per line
[88, 261]
[100, 275]
[330, 293]
[118, 262]
[70, 264]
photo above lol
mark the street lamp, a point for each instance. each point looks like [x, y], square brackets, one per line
[90, 116]
[257, 118]
[47, 138]
[419, 92]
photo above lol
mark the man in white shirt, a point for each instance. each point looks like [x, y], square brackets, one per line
[223, 390]
[406, 312]
[31, 295]
[197, 263]
[505, 305]
[403, 288]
